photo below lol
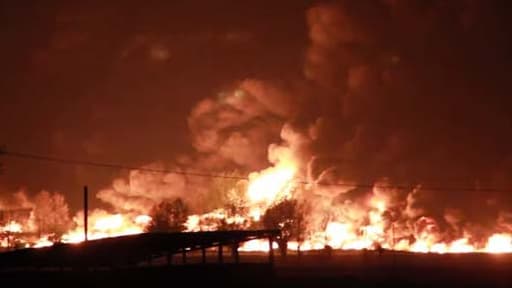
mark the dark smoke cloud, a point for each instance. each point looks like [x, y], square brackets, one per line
[410, 99]
[115, 82]
[407, 91]
[411, 91]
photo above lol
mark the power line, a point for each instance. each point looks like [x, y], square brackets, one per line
[115, 166]
[211, 175]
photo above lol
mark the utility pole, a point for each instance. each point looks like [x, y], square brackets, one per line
[86, 211]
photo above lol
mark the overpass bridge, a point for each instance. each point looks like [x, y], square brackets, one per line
[132, 250]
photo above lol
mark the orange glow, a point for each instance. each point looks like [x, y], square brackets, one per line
[270, 185]
[461, 246]
[351, 225]
[499, 243]
[12, 227]
[103, 224]
[257, 245]
[43, 242]
[210, 221]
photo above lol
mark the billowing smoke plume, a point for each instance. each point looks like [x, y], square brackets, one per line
[231, 133]
[46, 213]
[391, 108]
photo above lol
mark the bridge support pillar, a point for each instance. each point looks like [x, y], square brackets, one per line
[203, 254]
[234, 253]
[169, 258]
[184, 256]
[270, 249]
[219, 253]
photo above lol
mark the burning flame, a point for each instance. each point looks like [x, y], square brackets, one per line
[12, 227]
[204, 222]
[269, 186]
[104, 225]
[366, 224]
[499, 243]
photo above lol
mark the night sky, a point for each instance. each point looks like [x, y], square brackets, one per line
[415, 91]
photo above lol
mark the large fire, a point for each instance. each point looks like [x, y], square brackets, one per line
[106, 225]
[378, 221]
[269, 186]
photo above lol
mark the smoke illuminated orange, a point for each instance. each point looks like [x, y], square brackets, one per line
[346, 225]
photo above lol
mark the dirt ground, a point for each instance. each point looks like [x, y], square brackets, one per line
[315, 269]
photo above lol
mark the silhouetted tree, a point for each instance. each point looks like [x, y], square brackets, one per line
[51, 214]
[225, 191]
[168, 216]
[287, 216]
[232, 210]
